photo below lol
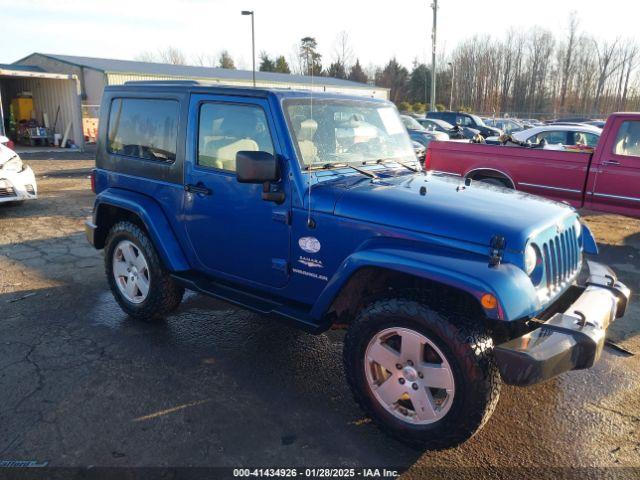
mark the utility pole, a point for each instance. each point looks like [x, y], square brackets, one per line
[453, 78]
[253, 44]
[434, 5]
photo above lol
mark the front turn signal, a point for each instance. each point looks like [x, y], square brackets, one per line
[488, 301]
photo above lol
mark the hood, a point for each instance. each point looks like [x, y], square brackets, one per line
[441, 205]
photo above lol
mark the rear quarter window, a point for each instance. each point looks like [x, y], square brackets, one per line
[143, 128]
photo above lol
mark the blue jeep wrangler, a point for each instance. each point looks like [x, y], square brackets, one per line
[312, 208]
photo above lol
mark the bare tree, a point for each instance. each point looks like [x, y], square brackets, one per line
[173, 56]
[342, 51]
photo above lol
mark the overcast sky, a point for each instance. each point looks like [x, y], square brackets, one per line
[377, 29]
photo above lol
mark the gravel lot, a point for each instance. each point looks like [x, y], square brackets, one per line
[81, 384]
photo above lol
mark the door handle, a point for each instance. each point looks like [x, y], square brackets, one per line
[199, 189]
[610, 162]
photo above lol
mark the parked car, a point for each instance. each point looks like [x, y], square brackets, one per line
[17, 180]
[245, 194]
[607, 179]
[507, 125]
[564, 135]
[420, 151]
[453, 132]
[420, 134]
[466, 120]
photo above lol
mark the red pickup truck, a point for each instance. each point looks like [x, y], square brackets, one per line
[607, 179]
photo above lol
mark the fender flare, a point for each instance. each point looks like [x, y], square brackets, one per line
[510, 285]
[154, 220]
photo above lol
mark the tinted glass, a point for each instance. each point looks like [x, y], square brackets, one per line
[226, 129]
[142, 128]
[628, 139]
[552, 137]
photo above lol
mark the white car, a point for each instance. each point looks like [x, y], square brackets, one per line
[17, 181]
[559, 136]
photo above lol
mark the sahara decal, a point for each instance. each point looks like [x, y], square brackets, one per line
[310, 262]
[309, 244]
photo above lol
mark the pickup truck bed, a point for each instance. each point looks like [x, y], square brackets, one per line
[607, 180]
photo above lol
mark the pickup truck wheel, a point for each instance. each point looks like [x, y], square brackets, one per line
[140, 284]
[427, 380]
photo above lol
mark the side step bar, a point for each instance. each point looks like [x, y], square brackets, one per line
[254, 302]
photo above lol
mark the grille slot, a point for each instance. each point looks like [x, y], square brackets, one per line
[561, 259]
[7, 192]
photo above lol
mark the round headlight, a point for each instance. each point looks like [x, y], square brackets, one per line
[530, 259]
[577, 226]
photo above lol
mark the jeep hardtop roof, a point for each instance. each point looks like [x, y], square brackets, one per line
[193, 86]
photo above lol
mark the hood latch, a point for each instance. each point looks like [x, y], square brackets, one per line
[496, 253]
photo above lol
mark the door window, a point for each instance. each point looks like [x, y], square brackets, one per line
[551, 137]
[628, 139]
[226, 129]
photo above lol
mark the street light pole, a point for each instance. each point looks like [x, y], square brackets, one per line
[434, 5]
[453, 77]
[253, 45]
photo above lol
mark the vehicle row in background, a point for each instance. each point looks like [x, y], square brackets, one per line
[17, 181]
[607, 179]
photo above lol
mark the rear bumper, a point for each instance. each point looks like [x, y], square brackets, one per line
[90, 231]
[569, 340]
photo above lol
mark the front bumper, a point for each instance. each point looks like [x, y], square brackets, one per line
[568, 340]
[18, 186]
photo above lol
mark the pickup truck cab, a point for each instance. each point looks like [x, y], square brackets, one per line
[312, 209]
[607, 179]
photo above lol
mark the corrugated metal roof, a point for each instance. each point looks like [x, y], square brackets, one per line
[129, 66]
[20, 68]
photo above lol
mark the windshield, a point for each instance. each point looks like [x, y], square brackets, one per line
[411, 123]
[477, 120]
[344, 131]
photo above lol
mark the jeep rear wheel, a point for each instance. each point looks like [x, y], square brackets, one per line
[429, 381]
[140, 284]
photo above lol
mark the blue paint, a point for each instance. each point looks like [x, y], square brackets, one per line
[234, 238]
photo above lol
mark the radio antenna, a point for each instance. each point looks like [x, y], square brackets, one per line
[310, 223]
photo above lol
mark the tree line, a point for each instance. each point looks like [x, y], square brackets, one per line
[528, 74]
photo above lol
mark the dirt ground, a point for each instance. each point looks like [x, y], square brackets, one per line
[83, 385]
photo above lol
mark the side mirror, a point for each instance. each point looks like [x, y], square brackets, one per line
[256, 167]
[259, 167]
[3, 139]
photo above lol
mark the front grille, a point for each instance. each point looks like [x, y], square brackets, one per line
[562, 259]
[7, 192]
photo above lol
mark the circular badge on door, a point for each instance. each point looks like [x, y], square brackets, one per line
[309, 244]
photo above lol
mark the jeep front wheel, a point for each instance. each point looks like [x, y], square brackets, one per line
[140, 284]
[427, 380]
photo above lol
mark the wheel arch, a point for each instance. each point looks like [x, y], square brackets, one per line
[487, 172]
[113, 206]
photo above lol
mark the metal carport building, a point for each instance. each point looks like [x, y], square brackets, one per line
[53, 93]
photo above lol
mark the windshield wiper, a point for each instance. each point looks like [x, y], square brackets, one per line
[323, 166]
[389, 160]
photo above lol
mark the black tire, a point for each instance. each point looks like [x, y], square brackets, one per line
[469, 351]
[164, 293]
